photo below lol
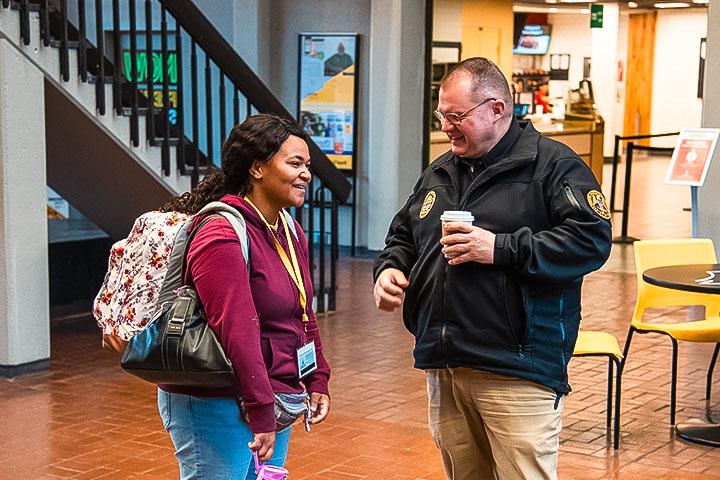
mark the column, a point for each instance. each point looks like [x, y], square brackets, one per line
[394, 157]
[24, 291]
[705, 211]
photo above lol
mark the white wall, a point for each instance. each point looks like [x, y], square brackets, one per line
[570, 34]
[677, 52]
[604, 70]
[620, 91]
[447, 20]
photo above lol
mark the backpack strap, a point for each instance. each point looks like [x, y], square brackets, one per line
[237, 221]
[174, 279]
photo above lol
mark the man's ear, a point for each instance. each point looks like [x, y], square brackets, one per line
[498, 108]
[256, 170]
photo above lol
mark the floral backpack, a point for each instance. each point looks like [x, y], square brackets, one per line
[138, 264]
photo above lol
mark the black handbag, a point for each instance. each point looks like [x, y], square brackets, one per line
[179, 347]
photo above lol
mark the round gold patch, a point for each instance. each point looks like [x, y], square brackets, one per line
[597, 202]
[427, 204]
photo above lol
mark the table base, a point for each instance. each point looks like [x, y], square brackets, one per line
[699, 431]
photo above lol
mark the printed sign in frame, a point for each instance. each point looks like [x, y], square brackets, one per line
[692, 155]
[327, 93]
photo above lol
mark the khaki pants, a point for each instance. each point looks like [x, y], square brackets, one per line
[493, 427]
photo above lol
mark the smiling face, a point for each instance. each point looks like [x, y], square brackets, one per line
[481, 129]
[283, 180]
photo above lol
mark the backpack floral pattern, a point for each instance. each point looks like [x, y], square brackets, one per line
[137, 266]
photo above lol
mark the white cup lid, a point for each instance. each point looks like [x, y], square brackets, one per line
[457, 216]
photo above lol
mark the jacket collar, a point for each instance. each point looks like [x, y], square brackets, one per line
[523, 152]
[525, 148]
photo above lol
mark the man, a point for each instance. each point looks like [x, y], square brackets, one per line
[338, 62]
[494, 306]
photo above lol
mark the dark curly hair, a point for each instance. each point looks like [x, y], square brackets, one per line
[258, 138]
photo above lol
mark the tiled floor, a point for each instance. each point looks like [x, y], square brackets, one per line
[85, 419]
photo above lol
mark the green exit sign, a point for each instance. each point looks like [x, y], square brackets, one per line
[596, 16]
[141, 61]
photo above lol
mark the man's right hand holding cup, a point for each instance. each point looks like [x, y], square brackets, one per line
[390, 289]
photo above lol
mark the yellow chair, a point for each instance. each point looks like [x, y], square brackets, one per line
[603, 344]
[658, 253]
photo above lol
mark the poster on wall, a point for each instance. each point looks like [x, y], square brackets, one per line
[57, 206]
[327, 93]
[692, 155]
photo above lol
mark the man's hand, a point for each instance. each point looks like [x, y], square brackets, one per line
[466, 243]
[264, 444]
[319, 407]
[389, 289]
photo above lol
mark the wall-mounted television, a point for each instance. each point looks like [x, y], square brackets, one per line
[534, 40]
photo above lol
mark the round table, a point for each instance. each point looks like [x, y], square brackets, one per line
[702, 278]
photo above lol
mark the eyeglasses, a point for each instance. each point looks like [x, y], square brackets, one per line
[457, 118]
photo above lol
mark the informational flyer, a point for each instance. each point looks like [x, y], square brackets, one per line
[57, 207]
[327, 93]
[692, 155]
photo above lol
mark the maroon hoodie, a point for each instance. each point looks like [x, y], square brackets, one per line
[257, 317]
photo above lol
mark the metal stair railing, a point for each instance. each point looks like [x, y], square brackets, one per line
[151, 83]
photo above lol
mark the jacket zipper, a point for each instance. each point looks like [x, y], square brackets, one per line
[517, 338]
[562, 325]
[571, 197]
[443, 330]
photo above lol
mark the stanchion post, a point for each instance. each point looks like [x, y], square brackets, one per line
[616, 154]
[623, 238]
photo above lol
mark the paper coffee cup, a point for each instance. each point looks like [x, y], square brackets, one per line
[455, 216]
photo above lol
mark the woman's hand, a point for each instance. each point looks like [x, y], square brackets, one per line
[264, 445]
[114, 342]
[319, 407]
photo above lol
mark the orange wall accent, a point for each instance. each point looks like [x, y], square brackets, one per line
[640, 63]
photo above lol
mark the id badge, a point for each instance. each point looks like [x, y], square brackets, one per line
[307, 361]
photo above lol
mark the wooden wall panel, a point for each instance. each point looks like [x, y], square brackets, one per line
[641, 56]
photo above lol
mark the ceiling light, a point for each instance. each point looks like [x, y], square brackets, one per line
[701, 2]
[672, 5]
[585, 11]
[632, 5]
[552, 10]
[551, 1]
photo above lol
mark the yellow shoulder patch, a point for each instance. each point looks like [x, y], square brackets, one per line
[427, 204]
[597, 202]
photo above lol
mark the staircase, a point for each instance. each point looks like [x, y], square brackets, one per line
[114, 154]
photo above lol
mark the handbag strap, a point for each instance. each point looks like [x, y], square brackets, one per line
[177, 262]
[211, 211]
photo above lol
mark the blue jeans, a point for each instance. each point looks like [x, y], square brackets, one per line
[211, 439]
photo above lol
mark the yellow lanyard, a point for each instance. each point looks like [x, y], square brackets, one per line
[293, 268]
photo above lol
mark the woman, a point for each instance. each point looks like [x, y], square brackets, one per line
[261, 313]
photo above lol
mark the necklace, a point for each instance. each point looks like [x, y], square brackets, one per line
[272, 226]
